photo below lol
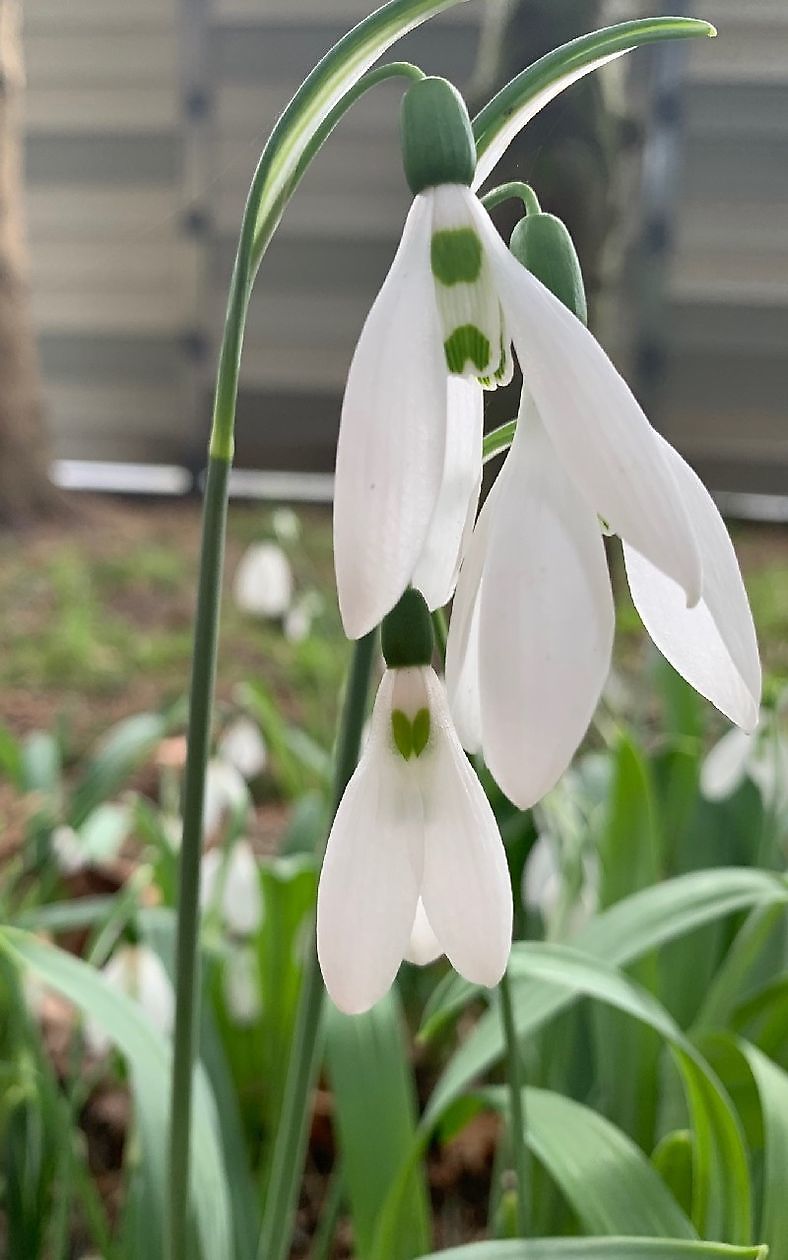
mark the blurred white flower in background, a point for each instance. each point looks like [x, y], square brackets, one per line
[565, 898]
[243, 747]
[301, 614]
[225, 794]
[762, 757]
[68, 851]
[234, 883]
[139, 973]
[242, 985]
[286, 524]
[263, 584]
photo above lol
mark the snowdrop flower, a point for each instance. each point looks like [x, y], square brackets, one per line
[68, 851]
[286, 524]
[413, 825]
[737, 756]
[242, 985]
[243, 747]
[263, 583]
[564, 910]
[235, 882]
[409, 451]
[532, 626]
[225, 793]
[137, 971]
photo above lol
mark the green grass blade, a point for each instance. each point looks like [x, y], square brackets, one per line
[599, 1249]
[148, 1056]
[375, 1109]
[603, 1175]
[772, 1085]
[516, 104]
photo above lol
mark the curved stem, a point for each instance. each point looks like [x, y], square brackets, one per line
[253, 241]
[516, 1109]
[186, 960]
[515, 188]
[288, 1160]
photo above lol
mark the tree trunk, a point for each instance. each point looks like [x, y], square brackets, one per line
[26, 493]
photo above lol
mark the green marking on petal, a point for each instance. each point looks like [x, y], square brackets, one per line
[420, 727]
[402, 731]
[456, 256]
[467, 343]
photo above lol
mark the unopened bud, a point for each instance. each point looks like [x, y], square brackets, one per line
[437, 139]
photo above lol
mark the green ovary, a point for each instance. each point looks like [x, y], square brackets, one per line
[467, 343]
[456, 256]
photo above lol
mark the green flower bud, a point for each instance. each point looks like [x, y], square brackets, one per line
[406, 633]
[437, 140]
[543, 245]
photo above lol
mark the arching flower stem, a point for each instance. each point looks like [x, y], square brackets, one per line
[515, 188]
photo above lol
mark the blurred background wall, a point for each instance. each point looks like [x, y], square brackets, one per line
[143, 126]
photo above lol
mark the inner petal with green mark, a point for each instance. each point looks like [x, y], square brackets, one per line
[410, 736]
[468, 304]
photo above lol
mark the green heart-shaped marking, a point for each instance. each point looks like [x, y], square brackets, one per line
[410, 737]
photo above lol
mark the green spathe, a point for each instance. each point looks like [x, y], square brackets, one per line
[542, 243]
[437, 140]
[406, 633]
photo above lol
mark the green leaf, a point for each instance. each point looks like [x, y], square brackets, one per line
[599, 1249]
[620, 935]
[122, 750]
[516, 104]
[721, 1187]
[148, 1056]
[772, 1084]
[11, 757]
[375, 1108]
[603, 1175]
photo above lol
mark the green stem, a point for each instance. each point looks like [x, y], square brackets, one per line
[516, 1109]
[288, 1159]
[187, 989]
[515, 188]
[441, 631]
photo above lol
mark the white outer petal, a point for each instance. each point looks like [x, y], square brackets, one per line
[546, 620]
[725, 765]
[391, 437]
[520, 118]
[465, 887]
[424, 945]
[436, 572]
[712, 645]
[462, 646]
[596, 425]
[369, 884]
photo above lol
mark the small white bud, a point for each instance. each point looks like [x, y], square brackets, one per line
[263, 583]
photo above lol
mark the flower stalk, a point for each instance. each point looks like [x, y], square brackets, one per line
[517, 1118]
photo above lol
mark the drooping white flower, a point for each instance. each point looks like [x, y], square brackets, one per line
[532, 626]
[242, 985]
[137, 971]
[301, 614]
[761, 757]
[243, 747]
[68, 851]
[263, 584]
[286, 524]
[235, 881]
[225, 794]
[409, 452]
[414, 829]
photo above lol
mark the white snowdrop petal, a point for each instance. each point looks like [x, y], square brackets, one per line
[465, 887]
[436, 572]
[712, 645]
[424, 945]
[541, 888]
[462, 645]
[369, 884]
[390, 453]
[242, 985]
[597, 427]
[725, 765]
[225, 793]
[242, 902]
[263, 583]
[546, 620]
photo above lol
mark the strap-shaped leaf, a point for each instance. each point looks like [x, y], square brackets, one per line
[599, 1249]
[516, 104]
